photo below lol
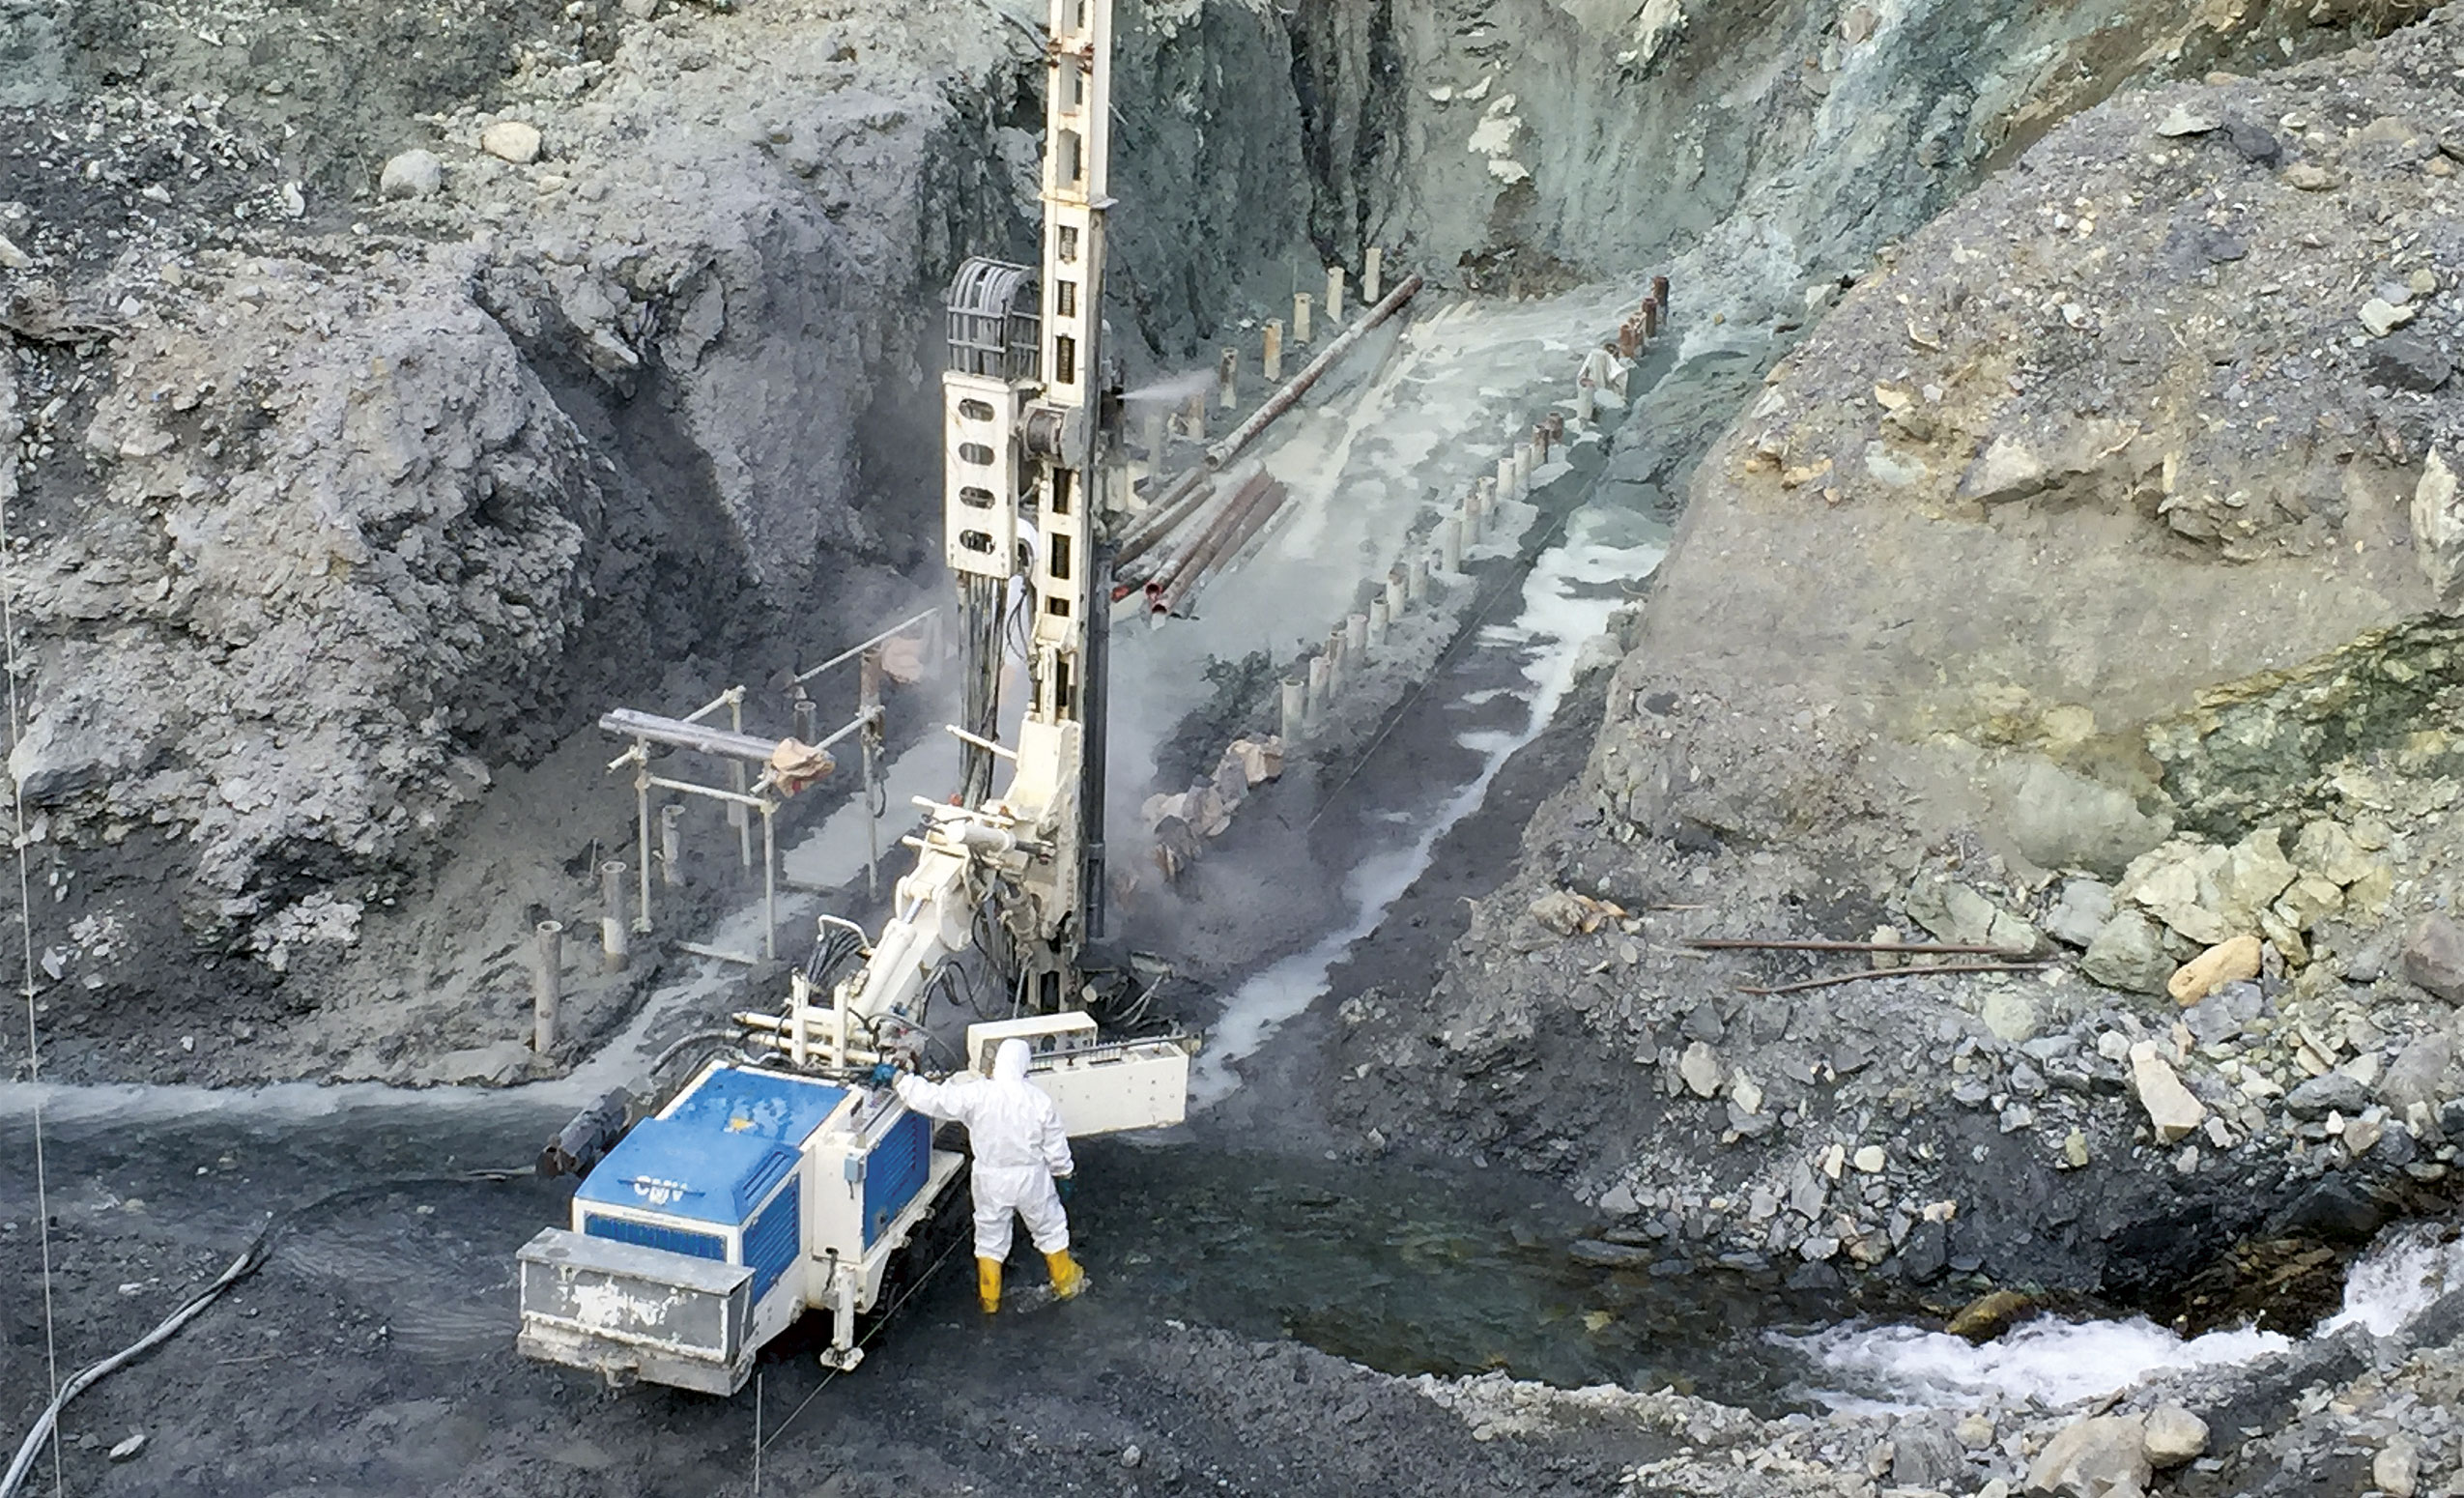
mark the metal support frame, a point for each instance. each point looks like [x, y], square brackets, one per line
[742, 796]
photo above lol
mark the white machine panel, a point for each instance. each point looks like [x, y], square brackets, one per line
[980, 511]
[1100, 1087]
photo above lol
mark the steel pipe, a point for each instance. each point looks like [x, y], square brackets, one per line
[1219, 542]
[615, 947]
[671, 845]
[1173, 563]
[547, 985]
[1188, 493]
[1259, 515]
[1284, 399]
[1355, 642]
[1451, 545]
[1296, 708]
[1374, 639]
[1300, 305]
[1334, 296]
[1227, 378]
[1270, 347]
[1372, 271]
[1416, 579]
[1321, 683]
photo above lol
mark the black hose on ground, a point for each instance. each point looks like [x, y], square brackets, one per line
[251, 1260]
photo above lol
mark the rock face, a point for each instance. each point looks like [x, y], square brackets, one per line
[325, 533]
[2118, 635]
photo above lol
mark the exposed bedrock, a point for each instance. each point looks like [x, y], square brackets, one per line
[2087, 580]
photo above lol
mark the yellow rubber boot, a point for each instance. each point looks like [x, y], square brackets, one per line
[1068, 1279]
[987, 1285]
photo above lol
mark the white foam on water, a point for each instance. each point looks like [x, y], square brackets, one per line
[2407, 1269]
[2054, 1362]
[1563, 607]
[2048, 1361]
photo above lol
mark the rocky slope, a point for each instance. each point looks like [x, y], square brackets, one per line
[2085, 581]
[372, 427]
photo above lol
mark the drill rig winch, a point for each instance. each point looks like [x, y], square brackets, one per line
[764, 1191]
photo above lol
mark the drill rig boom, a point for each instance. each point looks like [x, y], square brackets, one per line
[764, 1191]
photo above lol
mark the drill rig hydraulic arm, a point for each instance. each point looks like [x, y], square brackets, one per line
[761, 1191]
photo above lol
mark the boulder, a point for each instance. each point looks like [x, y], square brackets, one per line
[2434, 956]
[2171, 1110]
[2335, 1092]
[2176, 883]
[1926, 1453]
[2309, 900]
[2061, 819]
[2008, 470]
[1958, 914]
[413, 174]
[2331, 851]
[2408, 361]
[1700, 1068]
[2128, 954]
[2012, 1017]
[2254, 872]
[2396, 1469]
[2080, 912]
[2174, 1435]
[511, 140]
[2228, 961]
[2419, 1073]
[2091, 1457]
[2438, 523]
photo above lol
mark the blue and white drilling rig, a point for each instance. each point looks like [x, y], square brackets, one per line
[763, 1193]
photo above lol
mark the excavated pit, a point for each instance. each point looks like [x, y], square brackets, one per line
[699, 337]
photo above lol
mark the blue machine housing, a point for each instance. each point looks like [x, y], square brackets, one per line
[753, 1197]
[724, 1154]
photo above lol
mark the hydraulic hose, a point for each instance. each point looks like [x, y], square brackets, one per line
[251, 1260]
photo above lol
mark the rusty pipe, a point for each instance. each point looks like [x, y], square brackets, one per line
[1168, 584]
[1186, 592]
[1174, 505]
[1193, 533]
[1286, 398]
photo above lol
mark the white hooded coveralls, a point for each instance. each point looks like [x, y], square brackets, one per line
[1019, 1147]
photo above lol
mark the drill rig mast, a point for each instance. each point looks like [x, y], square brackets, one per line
[769, 1187]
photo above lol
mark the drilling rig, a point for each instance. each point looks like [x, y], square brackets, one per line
[783, 1183]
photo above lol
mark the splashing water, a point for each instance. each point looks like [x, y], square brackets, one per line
[2054, 1362]
[2403, 1273]
[2046, 1361]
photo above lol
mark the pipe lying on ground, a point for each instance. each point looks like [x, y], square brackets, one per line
[1160, 519]
[1194, 530]
[1284, 399]
[1264, 510]
[1222, 538]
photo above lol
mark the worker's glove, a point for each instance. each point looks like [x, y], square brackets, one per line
[882, 1074]
[1064, 1185]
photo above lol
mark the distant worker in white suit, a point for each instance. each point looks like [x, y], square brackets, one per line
[1022, 1162]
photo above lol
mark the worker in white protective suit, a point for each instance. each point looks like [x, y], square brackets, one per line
[1022, 1164]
